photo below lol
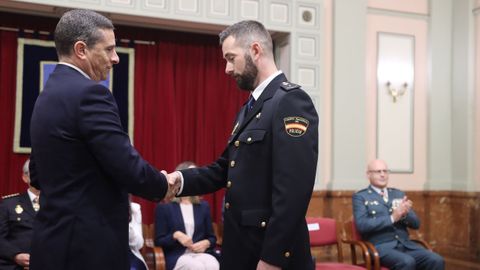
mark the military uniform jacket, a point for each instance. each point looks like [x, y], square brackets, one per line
[16, 228]
[372, 219]
[268, 169]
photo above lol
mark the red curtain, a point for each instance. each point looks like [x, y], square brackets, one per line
[184, 108]
[10, 164]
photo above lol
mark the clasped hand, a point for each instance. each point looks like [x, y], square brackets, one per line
[186, 241]
[174, 183]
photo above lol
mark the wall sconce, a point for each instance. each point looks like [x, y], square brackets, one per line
[396, 92]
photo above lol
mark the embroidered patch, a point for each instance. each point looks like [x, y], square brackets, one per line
[295, 126]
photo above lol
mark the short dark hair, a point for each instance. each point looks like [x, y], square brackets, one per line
[79, 25]
[246, 32]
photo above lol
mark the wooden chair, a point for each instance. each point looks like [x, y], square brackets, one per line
[354, 235]
[323, 232]
[154, 256]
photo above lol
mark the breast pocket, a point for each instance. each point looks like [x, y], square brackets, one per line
[252, 136]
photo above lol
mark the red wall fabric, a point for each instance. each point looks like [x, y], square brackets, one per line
[184, 108]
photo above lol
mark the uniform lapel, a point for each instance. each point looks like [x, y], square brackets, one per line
[267, 94]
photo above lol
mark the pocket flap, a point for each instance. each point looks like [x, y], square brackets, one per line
[252, 136]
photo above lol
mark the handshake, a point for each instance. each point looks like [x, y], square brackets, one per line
[174, 180]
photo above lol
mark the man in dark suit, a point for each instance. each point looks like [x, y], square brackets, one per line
[382, 216]
[82, 160]
[269, 164]
[17, 212]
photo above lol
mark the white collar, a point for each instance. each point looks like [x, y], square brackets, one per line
[31, 195]
[76, 68]
[259, 90]
[379, 190]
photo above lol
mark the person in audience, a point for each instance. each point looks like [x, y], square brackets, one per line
[383, 215]
[268, 166]
[17, 212]
[82, 159]
[183, 228]
[135, 238]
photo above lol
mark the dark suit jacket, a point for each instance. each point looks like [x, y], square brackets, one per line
[372, 218]
[16, 228]
[168, 219]
[269, 174]
[85, 166]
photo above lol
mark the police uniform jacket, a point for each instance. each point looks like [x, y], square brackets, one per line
[372, 219]
[85, 166]
[16, 228]
[268, 169]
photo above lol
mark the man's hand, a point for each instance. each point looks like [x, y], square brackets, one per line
[266, 266]
[200, 246]
[22, 259]
[183, 239]
[402, 210]
[174, 182]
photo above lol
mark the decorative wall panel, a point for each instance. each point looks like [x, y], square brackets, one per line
[395, 69]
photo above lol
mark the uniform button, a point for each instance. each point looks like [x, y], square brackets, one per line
[249, 139]
[396, 236]
[390, 210]
[229, 184]
[232, 163]
[237, 143]
[287, 254]
[373, 212]
[227, 205]
[263, 224]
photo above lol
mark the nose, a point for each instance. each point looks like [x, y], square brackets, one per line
[115, 59]
[229, 69]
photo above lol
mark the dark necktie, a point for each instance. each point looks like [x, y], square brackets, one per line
[250, 103]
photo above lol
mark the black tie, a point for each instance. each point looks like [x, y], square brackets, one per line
[250, 103]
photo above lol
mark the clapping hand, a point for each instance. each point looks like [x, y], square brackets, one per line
[402, 210]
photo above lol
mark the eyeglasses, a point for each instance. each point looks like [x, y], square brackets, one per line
[380, 171]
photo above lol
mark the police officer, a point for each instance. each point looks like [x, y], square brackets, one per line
[17, 212]
[268, 167]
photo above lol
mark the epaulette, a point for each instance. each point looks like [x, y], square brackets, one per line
[10, 196]
[365, 189]
[287, 86]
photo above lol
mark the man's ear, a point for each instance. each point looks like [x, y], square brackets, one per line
[79, 49]
[256, 50]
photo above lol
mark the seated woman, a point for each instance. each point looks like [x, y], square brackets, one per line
[183, 228]
[135, 236]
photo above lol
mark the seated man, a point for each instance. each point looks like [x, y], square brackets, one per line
[382, 216]
[17, 212]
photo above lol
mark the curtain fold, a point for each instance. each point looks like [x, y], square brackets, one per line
[184, 108]
[10, 164]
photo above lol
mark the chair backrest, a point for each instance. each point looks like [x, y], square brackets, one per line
[323, 232]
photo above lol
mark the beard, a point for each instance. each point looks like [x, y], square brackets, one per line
[246, 80]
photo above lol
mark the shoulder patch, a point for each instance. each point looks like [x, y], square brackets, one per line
[10, 196]
[287, 86]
